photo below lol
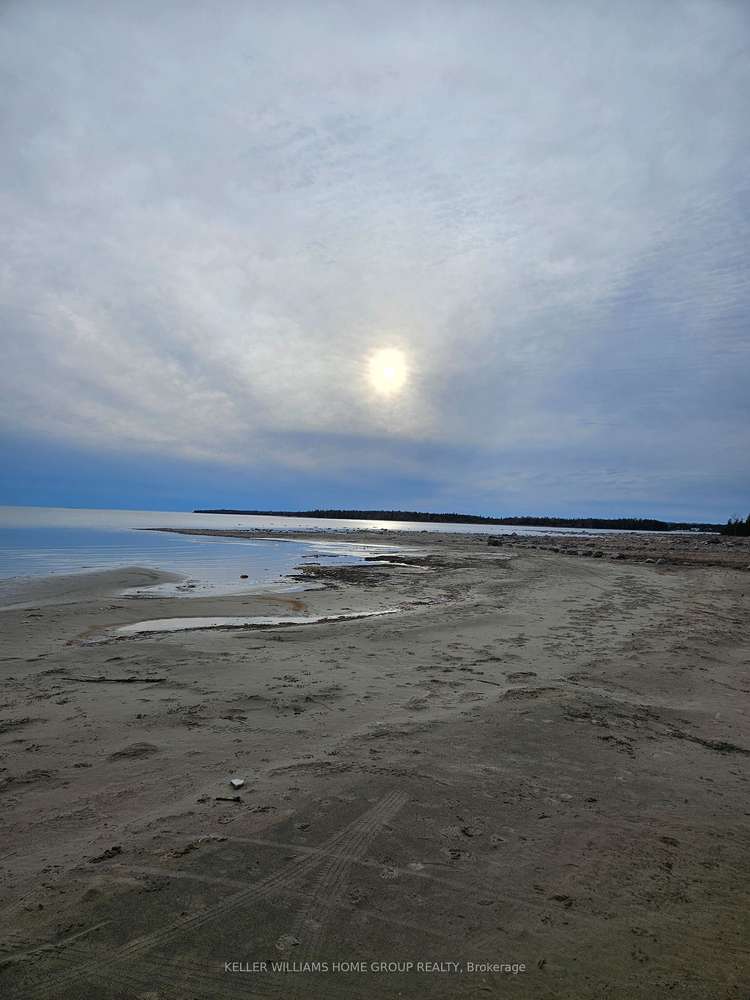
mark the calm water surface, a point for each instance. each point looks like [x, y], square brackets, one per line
[36, 542]
[40, 541]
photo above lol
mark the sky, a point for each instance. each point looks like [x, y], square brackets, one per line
[485, 257]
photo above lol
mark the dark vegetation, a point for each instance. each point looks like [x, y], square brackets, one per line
[736, 526]
[621, 523]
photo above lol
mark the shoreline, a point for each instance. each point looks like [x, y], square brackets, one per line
[666, 549]
[537, 754]
[20, 592]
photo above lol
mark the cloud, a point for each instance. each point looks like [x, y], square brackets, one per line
[213, 216]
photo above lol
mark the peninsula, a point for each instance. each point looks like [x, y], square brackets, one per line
[616, 523]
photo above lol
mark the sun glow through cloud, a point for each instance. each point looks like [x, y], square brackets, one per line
[388, 371]
[330, 253]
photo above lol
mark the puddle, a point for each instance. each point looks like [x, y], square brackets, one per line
[264, 621]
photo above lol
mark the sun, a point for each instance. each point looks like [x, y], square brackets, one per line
[388, 371]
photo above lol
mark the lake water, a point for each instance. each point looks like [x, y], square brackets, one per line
[39, 541]
[265, 621]
[36, 542]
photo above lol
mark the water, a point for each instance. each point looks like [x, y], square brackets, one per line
[32, 517]
[42, 541]
[265, 621]
[37, 542]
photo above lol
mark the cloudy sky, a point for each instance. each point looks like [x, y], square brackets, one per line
[478, 256]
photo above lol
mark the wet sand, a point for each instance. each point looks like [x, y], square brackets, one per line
[540, 759]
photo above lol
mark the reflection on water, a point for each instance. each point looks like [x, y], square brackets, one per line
[39, 541]
[27, 517]
[214, 565]
[32, 547]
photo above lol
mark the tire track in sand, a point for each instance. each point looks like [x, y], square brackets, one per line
[328, 884]
[344, 847]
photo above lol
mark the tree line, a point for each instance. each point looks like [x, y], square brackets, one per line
[736, 526]
[621, 523]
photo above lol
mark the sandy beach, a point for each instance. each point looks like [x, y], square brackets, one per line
[524, 774]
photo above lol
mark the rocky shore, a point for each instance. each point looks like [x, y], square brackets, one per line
[672, 549]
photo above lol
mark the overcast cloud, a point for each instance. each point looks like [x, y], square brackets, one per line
[212, 214]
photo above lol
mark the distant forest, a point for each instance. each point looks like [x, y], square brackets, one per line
[623, 523]
[736, 526]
